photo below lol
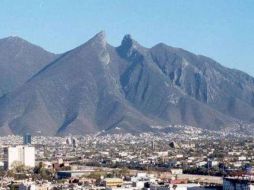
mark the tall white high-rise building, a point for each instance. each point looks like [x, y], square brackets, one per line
[20, 154]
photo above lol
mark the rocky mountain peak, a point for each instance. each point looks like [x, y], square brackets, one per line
[130, 48]
[129, 43]
[13, 41]
[98, 40]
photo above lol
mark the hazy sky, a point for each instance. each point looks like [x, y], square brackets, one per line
[221, 29]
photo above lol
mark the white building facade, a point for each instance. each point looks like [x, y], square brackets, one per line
[20, 154]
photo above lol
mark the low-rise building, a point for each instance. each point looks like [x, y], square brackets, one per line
[112, 182]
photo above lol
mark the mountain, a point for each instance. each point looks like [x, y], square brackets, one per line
[20, 60]
[100, 88]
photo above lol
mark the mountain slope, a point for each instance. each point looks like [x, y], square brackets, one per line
[99, 88]
[154, 92]
[20, 60]
[225, 90]
[74, 94]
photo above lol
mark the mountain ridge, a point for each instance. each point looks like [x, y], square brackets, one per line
[19, 60]
[100, 88]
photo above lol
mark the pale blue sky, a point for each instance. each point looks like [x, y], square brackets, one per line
[221, 29]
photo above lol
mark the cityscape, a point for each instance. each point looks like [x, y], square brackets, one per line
[126, 95]
[189, 160]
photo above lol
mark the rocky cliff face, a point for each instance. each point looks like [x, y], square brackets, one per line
[99, 88]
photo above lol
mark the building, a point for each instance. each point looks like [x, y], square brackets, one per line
[158, 187]
[212, 163]
[20, 154]
[72, 141]
[34, 186]
[1, 164]
[27, 139]
[27, 186]
[73, 173]
[176, 171]
[112, 182]
[238, 183]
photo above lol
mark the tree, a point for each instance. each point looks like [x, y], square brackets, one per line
[96, 175]
[18, 167]
[43, 173]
